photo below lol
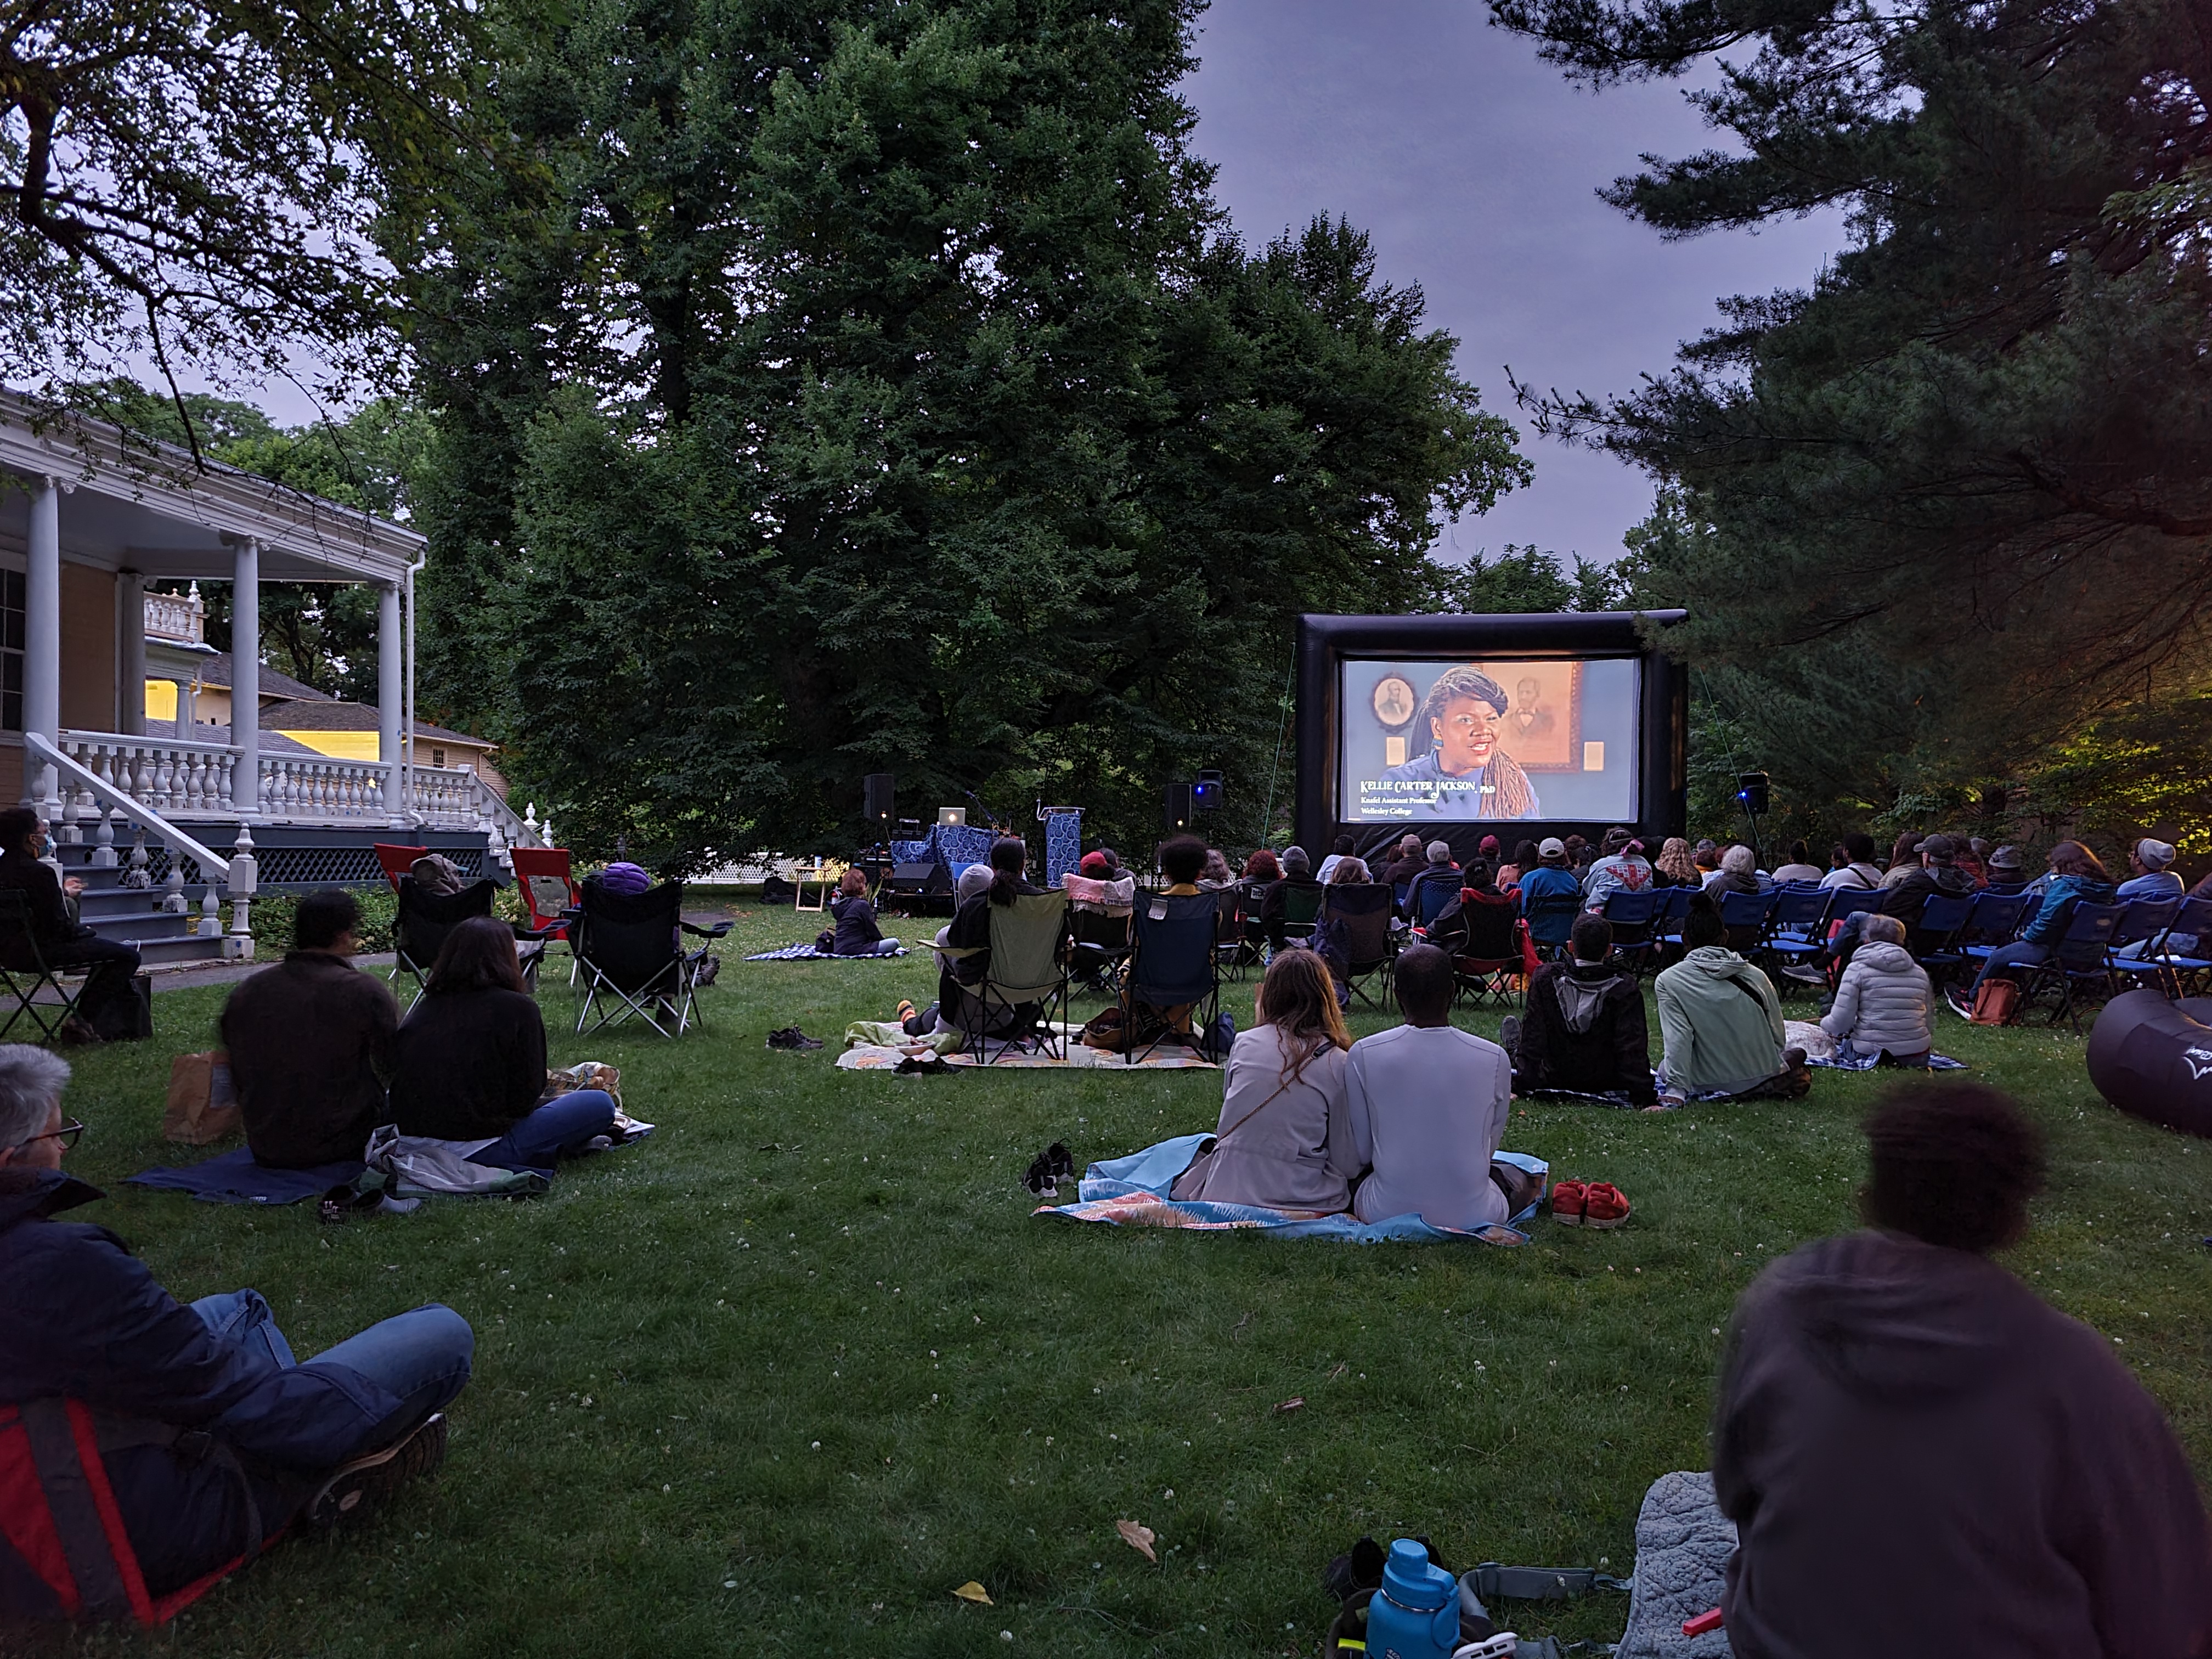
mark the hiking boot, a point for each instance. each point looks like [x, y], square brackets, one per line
[363, 1485]
[75, 1033]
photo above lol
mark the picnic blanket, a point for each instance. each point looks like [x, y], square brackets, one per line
[1133, 1192]
[233, 1177]
[873, 1057]
[810, 951]
[1838, 1054]
[1683, 1543]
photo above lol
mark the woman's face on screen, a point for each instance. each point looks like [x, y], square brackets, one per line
[1466, 735]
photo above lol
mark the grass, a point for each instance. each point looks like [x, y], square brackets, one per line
[781, 1378]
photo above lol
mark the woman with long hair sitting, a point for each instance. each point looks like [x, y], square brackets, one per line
[470, 1061]
[1284, 1140]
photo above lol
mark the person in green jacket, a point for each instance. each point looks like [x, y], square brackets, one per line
[1722, 1022]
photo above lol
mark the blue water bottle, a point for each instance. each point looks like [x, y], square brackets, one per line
[1415, 1615]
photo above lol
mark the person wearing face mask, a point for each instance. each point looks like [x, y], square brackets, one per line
[104, 1009]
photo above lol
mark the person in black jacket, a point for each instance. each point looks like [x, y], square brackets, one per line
[1583, 1030]
[470, 1061]
[1938, 877]
[857, 934]
[104, 1009]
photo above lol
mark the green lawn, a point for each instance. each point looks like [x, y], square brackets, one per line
[783, 1377]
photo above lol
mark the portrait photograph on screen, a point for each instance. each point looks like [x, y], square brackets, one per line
[1492, 739]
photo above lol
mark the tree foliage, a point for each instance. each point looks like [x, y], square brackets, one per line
[870, 386]
[1955, 499]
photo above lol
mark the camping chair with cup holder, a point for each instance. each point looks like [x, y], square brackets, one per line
[423, 919]
[1301, 901]
[1357, 918]
[1027, 969]
[1172, 965]
[630, 959]
[1433, 889]
[547, 882]
[2077, 960]
[1234, 949]
[25, 972]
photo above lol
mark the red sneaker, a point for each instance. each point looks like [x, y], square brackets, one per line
[1568, 1199]
[1604, 1204]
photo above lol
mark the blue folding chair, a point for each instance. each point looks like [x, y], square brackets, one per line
[2078, 958]
[2143, 922]
[1744, 916]
[1673, 910]
[2181, 953]
[1992, 919]
[1797, 925]
[1634, 918]
[1941, 915]
[1172, 965]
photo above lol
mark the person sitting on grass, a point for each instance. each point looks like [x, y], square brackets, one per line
[1428, 1105]
[1991, 1470]
[469, 1063]
[857, 934]
[1884, 1003]
[310, 1042]
[2076, 878]
[214, 1436]
[1720, 1021]
[1583, 1030]
[1284, 1137]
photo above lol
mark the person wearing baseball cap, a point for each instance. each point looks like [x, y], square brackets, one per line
[1551, 897]
[2150, 873]
[1937, 875]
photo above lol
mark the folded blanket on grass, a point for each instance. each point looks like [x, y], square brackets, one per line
[406, 1166]
[1683, 1543]
[1133, 1192]
[872, 1057]
[810, 951]
[233, 1177]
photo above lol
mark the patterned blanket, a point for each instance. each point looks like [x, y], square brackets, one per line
[872, 1057]
[809, 951]
[1823, 1050]
[1133, 1192]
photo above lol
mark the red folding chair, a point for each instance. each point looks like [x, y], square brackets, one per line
[547, 890]
[397, 861]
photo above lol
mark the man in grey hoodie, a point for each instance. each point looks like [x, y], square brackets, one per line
[1921, 1456]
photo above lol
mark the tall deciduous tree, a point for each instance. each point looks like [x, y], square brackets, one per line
[1956, 497]
[867, 386]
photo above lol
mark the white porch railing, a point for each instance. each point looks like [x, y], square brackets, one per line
[165, 775]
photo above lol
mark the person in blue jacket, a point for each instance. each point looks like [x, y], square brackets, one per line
[2077, 875]
[1551, 895]
[213, 1435]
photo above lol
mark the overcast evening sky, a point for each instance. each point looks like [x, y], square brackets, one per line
[1472, 165]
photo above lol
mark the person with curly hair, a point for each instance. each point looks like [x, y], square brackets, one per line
[1472, 777]
[1922, 1455]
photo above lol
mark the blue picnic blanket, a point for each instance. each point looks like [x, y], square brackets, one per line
[1849, 1059]
[1133, 1191]
[235, 1178]
[810, 951]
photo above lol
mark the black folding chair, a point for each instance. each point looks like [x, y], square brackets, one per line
[25, 971]
[1028, 969]
[1172, 965]
[2077, 959]
[1486, 962]
[1634, 918]
[424, 919]
[630, 958]
[1099, 943]
[1357, 917]
[1233, 948]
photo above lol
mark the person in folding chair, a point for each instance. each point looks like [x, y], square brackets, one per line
[969, 1001]
[2076, 877]
[310, 1041]
[470, 1061]
[1585, 1031]
[148, 1447]
[628, 940]
[56, 939]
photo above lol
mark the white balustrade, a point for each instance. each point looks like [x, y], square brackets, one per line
[175, 779]
[315, 789]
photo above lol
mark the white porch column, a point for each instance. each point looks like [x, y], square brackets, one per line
[130, 675]
[391, 697]
[246, 675]
[42, 640]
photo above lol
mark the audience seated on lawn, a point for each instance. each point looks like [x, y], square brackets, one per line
[1284, 1140]
[2075, 876]
[1343, 849]
[1937, 875]
[1673, 867]
[1410, 861]
[81, 1319]
[2008, 873]
[1855, 867]
[1550, 895]
[1974, 858]
[1884, 1003]
[1620, 868]
[1582, 1030]
[857, 934]
[470, 1060]
[970, 930]
[1922, 1455]
[310, 1042]
[1263, 866]
[1706, 856]
[1738, 872]
[2151, 876]
[1720, 1020]
[1796, 870]
[1428, 1104]
[104, 1008]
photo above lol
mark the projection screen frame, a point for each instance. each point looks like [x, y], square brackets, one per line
[1326, 642]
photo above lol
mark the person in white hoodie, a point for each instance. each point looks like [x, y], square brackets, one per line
[1884, 1003]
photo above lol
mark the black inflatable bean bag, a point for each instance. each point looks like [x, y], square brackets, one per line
[2152, 1058]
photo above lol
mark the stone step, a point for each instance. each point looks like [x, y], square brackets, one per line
[169, 953]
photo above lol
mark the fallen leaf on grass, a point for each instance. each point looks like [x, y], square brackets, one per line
[1139, 1537]
[1297, 1402]
[972, 1591]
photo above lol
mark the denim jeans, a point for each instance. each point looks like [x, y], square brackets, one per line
[2018, 954]
[558, 1126]
[423, 1356]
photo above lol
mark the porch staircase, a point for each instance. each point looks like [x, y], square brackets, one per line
[135, 915]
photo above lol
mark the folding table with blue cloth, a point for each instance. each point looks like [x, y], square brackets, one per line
[1133, 1192]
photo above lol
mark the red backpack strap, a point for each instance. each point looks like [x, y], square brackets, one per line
[82, 1511]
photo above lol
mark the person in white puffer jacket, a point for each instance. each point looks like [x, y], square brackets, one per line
[1885, 1002]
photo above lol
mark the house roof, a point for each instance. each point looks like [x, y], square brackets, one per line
[217, 671]
[334, 714]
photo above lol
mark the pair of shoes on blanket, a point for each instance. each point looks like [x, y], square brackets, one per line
[791, 1038]
[1588, 1203]
[1046, 1168]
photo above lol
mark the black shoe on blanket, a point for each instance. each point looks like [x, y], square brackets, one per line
[364, 1484]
